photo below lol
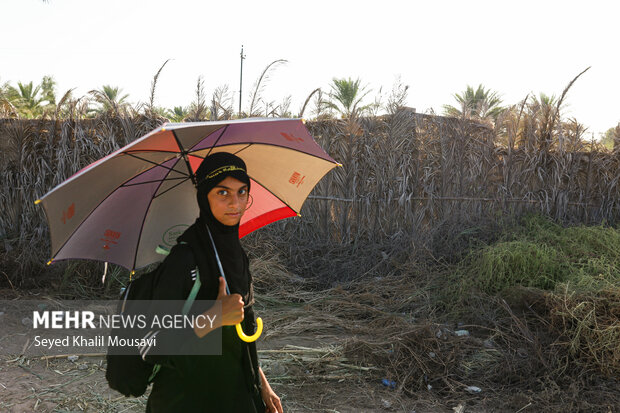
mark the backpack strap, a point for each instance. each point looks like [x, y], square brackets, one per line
[156, 369]
[192, 294]
[188, 302]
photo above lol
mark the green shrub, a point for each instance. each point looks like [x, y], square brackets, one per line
[524, 263]
[542, 254]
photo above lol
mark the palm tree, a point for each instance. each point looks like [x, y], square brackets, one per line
[346, 96]
[611, 137]
[6, 107]
[48, 89]
[178, 114]
[26, 99]
[483, 104]
[110, 99]
[542, 118]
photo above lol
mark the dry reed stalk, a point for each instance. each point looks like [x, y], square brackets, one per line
[406, 176]
[36, 156]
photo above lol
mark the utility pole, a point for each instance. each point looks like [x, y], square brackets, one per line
[241, 79]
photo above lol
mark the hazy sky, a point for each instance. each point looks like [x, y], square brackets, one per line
[436, 47]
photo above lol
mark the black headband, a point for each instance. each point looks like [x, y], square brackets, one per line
[218, 166]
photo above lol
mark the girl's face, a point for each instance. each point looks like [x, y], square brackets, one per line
[228, 201]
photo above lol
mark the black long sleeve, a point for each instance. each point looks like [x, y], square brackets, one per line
[174, 282]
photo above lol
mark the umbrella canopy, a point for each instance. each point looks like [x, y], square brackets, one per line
[122, 207]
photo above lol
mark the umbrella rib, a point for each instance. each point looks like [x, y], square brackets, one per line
[135, 257]
[102, 201]
[154, 163]
[244, 148]
[184, 154]
[171, 188]
[216, 141]
[155, 180]
[127, 152]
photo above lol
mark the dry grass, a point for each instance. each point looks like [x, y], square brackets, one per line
[589, 328]
[549, 350]
[545, 349]
[405, 176]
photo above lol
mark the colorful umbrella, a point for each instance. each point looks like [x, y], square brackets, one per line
[121, 208]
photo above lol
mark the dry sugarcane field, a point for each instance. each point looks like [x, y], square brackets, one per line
[450, 265]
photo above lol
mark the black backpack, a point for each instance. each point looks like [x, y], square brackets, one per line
[130, 374]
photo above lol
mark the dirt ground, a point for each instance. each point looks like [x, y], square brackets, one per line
[60, 385]
[305, 356]
[306, 369]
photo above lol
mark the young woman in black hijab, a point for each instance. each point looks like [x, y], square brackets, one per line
[233, 381]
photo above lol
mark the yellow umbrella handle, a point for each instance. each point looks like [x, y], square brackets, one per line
[253, 337]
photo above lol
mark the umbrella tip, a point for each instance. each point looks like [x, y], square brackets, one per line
[50, 261]
[303, 121]
[299, 215]
[339, 164]
[37, 202]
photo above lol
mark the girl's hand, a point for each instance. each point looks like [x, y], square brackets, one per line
[271, 399]
[232, 312]
[232, 306]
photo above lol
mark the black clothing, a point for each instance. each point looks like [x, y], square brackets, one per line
[226, 383]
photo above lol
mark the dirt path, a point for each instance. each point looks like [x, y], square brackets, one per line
[306, 369]
[60, 385]
[310, 352]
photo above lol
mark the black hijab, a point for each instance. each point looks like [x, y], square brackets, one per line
[213, 170]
